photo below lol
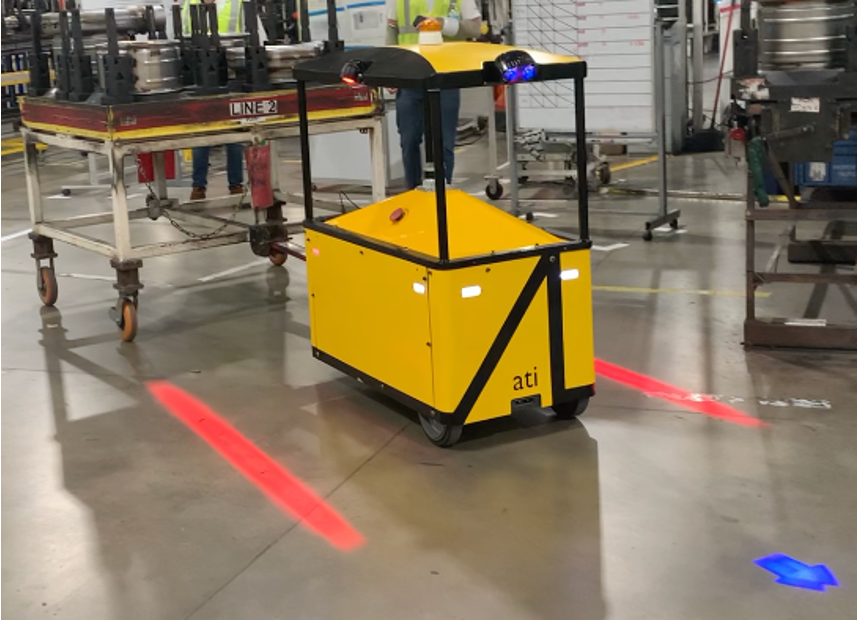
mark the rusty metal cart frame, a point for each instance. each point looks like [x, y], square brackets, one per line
[125, 257]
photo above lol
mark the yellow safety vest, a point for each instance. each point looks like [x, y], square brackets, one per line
[229, 17]
[408, 10]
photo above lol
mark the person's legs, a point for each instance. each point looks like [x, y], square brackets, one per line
[201, 167]
[450, 101]
[234, 164]
[409, 122]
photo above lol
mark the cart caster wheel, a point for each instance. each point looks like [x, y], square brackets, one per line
[603, 173]
[443, 435]
[277, 258]
[569, 187]
[66, 192]
[647, 236]
[529, 216]
[494, 192]
[523, 180]
[571, 409]
[128, 325]
[47, 286]
[674, 224]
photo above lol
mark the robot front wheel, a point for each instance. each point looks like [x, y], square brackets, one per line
[571, 409]
[443, 435]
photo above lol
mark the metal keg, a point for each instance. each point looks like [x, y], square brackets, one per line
[804, 34]
[281, 59]
[90, 48]
[128, 19]
[157, 65]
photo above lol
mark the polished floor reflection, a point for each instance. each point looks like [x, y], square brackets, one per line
[648, 507]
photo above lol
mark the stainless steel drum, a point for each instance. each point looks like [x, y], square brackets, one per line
[128, 19]
[803, 34]
[157, 65]
[281, 59]
[90, 48]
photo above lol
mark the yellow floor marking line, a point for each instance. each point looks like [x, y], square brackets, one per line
[680, 291]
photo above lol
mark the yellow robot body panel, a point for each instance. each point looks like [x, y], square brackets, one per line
[366, 311]
[470, 307]
[578, 350]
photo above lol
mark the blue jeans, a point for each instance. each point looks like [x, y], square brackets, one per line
[234, 169]
[410, 107]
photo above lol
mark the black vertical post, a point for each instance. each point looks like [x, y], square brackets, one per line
[304, 16]
[304, 135]
[581, 156]
[333, 30]
[434, 97]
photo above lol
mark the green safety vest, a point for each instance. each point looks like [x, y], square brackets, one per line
[408, 10]
[229, 17]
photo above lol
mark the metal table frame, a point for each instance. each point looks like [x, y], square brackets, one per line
[125, 257]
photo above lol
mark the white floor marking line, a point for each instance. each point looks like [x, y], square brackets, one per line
[59, 197]
[609, 248]
[667, 228]
[229, 272]
[20, 233]
[86, 276]
[802, 403]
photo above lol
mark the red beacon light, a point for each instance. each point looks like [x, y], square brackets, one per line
[352, 72]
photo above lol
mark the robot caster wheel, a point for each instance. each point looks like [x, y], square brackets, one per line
[443, 435]
[571, 409]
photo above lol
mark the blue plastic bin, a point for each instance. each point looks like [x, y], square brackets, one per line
[840, 172]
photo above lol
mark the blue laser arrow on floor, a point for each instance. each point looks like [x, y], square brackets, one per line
[797, 574]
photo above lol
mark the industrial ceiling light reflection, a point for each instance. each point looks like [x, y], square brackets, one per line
[471, 291]
[516, 66]
[569, 274]
[419, 288]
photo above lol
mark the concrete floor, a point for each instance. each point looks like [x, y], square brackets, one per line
[643, 509]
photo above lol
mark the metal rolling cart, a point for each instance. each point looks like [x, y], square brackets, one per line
[794, 102]
[192, 106]
[556, 25]
[457, 309]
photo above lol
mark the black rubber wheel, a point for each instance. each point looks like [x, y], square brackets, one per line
[571, 409]
[569, 187]
[529, 216]
[128, 328]
[494, 191]
[674, 224]
[647, 236]
[277, 258]
[523, 180]
[604, 174]
[66, 192]
[46, 284]
[443, 435]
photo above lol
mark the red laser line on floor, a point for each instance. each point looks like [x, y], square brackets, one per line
[285, 490]
[673, 394]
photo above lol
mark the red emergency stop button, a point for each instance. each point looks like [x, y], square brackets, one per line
[397, 215]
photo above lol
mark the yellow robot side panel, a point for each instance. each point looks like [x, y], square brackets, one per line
[577, 318]
[524, 370]
[469, 306]
[371, 311]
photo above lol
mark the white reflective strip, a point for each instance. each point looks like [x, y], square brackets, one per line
[569, 274]
[471, 291]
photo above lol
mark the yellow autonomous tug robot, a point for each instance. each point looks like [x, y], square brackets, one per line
[439, 300]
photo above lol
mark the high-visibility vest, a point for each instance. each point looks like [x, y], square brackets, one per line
[229, 17]
[408, 10]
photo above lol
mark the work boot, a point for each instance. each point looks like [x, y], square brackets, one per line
[236, 189]
[198, 193]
